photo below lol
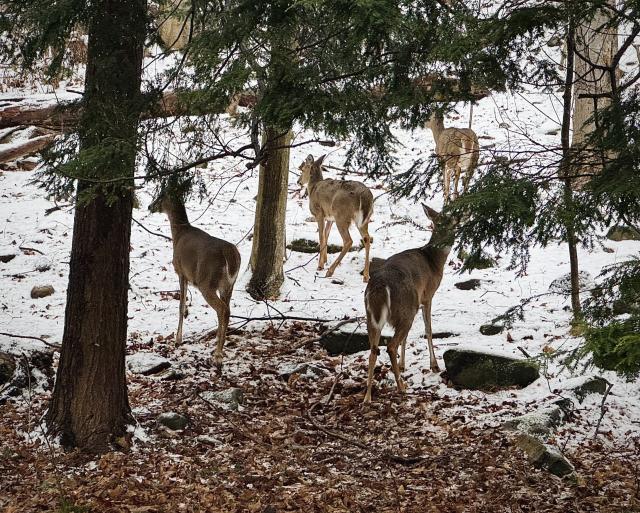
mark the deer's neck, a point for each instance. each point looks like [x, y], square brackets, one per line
[315, 178]
[437, 127]
[440, 246]
[178, 220]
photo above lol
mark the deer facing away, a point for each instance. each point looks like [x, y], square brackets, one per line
[398, 288]
[457, 149]
[209, 263]
[340, 201]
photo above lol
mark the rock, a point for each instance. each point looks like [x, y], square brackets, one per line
[443, 334]
[620, 233]
[491, 329]
[7, 257]
[562, 285]
[479, 262]
[229, 399]
[471, 284]
[7, 367]
[484, 371]
[348, 340]
[310, 246]
[540, 423]
[593, 385]
[544, 455]
[41, 291]
[173, 420]
[147, 363]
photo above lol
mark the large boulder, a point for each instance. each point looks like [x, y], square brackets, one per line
[347, 340]
[147, 364]
[620, 233]
[562, 285]
[476, 370]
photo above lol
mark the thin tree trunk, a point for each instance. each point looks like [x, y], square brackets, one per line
[89, 408]
[564, 170]
[267, 253]
[594, 44]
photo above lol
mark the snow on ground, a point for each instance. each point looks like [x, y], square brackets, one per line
[153, 309]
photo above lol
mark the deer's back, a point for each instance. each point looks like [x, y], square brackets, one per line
[458, 145]
[341, 198]
[205, 260]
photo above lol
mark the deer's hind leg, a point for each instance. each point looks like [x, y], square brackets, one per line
[222, 310]
[374, 341]
[183, 303]
[343, 228]
[426, 315]
[399, 337]
[366, 240]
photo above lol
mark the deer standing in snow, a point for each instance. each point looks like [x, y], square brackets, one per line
[398, 288]
[340, 201]
[209, 263]
[457, 149]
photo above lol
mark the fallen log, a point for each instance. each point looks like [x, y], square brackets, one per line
[29, 147]
[64, 117]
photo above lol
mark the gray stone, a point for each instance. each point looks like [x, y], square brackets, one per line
[540, 423]
[545, 456]
[229, 399]
[307, 369]
[484, 371]
[147, 363]
[620, 233]
[7, 367]
[348, 340]
[593, 385]
[41, 291]
[173, 420]
[562, 285]
[471, 284]
[491, 329]
[7, 257]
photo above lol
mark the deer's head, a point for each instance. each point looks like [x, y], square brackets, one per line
[310, 170]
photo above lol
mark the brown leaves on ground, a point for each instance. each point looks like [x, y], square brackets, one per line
[301, 442]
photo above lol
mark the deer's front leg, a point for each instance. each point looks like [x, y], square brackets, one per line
[183, 304]
[321, 242]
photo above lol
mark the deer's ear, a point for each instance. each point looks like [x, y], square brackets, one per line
[431, 214]
[309, 159]
[320, 161]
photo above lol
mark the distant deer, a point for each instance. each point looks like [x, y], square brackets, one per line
[209, 263]
[399, 287]
[340, 201]
[457, 150]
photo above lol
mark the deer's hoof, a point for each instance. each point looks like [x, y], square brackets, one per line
[216, 363]
[402, 387]
[329, 274]
[367, 398]
[365, 279]
[435, 368]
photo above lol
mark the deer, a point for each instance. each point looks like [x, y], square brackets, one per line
[340, 201]
[209, 263]
[399, 287]
[456, 149]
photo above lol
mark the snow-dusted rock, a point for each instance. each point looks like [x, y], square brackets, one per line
[40, 291]
[147, 363]
[229, 399]
[475, 370]
[545, 456]
[620, 233]
[173, 420]
[491, 329]
[7, 367]
[562, 285]
[306, 369]
[471, 284]
[539, 423]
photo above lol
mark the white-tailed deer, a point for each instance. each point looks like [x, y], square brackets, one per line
[457, 150]
[209, 263]
[398, 288]
[340, 201]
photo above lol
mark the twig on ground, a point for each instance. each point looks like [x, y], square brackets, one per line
[602, 409]
[522, 350]
[25, 248]
[49, 344]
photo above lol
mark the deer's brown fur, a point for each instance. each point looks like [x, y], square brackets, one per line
[340, 201]
[458, 150]
[209, 263]
[399, 287]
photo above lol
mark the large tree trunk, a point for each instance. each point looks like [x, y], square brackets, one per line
[89, 408]
[267, 253]
[598, 45]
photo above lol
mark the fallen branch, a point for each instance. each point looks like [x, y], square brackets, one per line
[27, 148]
[602, 410]
[49, 344]
[149, 231]
[281, 317]
[25, 248]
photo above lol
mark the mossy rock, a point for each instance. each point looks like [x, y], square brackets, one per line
[545, 456]
[312, 246]
[491, 329]
[484, 261]
[620, 233]
[593, 385]
[347, 341]
[474, 370]
[7, 367]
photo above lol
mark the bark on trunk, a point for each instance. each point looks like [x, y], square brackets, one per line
[267, 253]
[89, 408]
[598, 45]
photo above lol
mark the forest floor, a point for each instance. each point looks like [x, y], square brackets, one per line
[303, 441]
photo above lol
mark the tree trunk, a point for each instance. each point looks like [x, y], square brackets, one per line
[267, 253]
[89, 408]
[564, 171]
[597, 45]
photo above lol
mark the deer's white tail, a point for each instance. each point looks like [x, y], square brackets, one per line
[378, 303]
